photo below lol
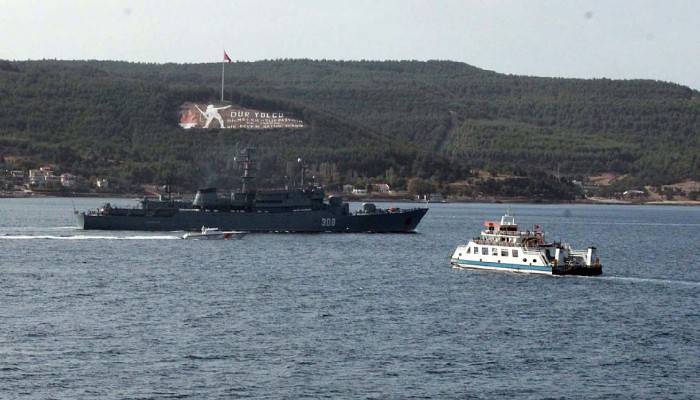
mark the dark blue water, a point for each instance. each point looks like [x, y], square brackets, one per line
[84, 314]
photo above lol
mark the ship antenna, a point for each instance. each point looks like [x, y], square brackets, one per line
[168, 188]
[302, 171]
[247, 179]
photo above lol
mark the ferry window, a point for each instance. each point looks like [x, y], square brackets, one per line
[485, 251]
[469, 250]
[494, 251]
[504, 253]
[476, 250]
[533, 260]
[515, 253]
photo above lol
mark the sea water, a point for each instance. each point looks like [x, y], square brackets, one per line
[103, 314]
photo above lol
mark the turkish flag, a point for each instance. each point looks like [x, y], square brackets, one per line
[226, 57]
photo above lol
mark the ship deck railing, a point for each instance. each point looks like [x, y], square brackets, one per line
[480, 241]
[386, 211]
[513, 233]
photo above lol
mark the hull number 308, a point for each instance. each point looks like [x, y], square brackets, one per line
[327, 221]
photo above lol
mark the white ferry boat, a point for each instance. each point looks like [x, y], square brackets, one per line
[502, 247]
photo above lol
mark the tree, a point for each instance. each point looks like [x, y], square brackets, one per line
[420, 187]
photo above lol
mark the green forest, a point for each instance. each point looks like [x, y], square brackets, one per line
[368, 121]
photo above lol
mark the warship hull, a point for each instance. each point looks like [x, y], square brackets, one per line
[293, 221]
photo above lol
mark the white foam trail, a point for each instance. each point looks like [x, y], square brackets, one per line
[40, 228]
[622, 278]
[88, 237]
[625, 223]
[649, 280]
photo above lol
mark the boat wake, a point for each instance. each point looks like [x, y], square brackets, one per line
[649, 280]
[629, 223]
[88, 237]
[40, 228]
[632, 279]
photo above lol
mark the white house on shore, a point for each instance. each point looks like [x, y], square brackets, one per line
[102, 183]
[43, 178]
[633, 193]
[381, 187]
[68, 180]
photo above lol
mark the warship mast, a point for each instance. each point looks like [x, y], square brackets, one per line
[247, 179]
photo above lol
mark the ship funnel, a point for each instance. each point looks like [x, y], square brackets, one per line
[335, 201]
[205, 198]
[369, 208]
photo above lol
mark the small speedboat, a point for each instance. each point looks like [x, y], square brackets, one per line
[213, 234]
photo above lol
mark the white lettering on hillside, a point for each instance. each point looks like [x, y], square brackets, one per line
[192, 115]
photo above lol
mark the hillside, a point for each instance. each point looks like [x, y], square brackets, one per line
[389, 120]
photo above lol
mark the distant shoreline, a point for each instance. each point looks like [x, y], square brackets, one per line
[383, 199]
[613, 202]
[29, 195]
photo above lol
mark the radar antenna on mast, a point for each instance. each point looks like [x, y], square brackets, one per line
[301, 165]
[247, 162]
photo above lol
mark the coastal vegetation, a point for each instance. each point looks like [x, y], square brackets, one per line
[430, 123]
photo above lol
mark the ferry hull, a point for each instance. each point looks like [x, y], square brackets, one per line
[580, 270]
[504, 267]
[303, 221]
[530, 269]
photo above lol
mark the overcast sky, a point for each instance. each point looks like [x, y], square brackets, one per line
[585, 39]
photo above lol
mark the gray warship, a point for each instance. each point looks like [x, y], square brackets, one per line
[301, 209]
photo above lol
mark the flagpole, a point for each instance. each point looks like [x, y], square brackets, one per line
[223, 65]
